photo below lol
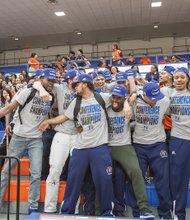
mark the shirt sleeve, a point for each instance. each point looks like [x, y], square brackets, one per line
[69, 113]
[22, 96]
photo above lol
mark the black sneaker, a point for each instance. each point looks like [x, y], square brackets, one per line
[146, 214]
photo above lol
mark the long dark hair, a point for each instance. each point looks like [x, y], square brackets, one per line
[2, 97]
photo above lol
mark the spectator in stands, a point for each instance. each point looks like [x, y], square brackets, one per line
[145, 60]
[174, 59]
[81, 60]
[153, 74]
[116, 55]
[136, 68]
[1, 75]
[71, 60]
[165, 60]
[6, 97]
[3, 84]
[102, 62]
[114, 70]
[34, 63]
[130, 60]
[60, 66]
[25, 74]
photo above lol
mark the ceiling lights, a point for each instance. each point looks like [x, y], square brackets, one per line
[156, 4]
[59, 13]
[155, 26]
[77, 32]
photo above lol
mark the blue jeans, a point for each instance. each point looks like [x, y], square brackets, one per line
[17, 147]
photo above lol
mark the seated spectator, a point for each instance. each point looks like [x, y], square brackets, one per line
[61, 65]
[165, 60]
[174, 59]
[130, 60]
[116, 55]
[102, 62]
[153, 74]
[145, 60]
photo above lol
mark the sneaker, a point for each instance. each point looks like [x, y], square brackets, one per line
[146, 214]
[30, 210]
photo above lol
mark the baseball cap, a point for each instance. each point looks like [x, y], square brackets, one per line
[119, 90]
[70, 74]
[96, 74]
[152, 91]
[49, 73]
[183, 70]
[107, 75]
[39, 72]
[131, 72]
[121, 76]
[82, 78]
[169, 69]
[98, 90]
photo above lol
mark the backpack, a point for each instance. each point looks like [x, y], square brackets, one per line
[98, 98]
[29, 99]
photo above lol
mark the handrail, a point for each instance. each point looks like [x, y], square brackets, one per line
[9, 158]
[181, 48]
[89, 55]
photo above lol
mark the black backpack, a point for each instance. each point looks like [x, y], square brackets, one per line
[98, 98]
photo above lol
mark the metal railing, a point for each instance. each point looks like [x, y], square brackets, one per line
[8, 160]
[181, 48]
[89, 55]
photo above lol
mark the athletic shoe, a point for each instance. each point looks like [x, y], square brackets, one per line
[146, 214]
[30, 210]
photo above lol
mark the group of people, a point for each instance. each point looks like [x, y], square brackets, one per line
[61, 64]
[90, 122]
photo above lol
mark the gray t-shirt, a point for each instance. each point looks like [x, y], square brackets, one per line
[180, 114]
[32, 114]
[119, 133]
[65, 96]
[108, 87]
[93, 120]
[149, 127]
